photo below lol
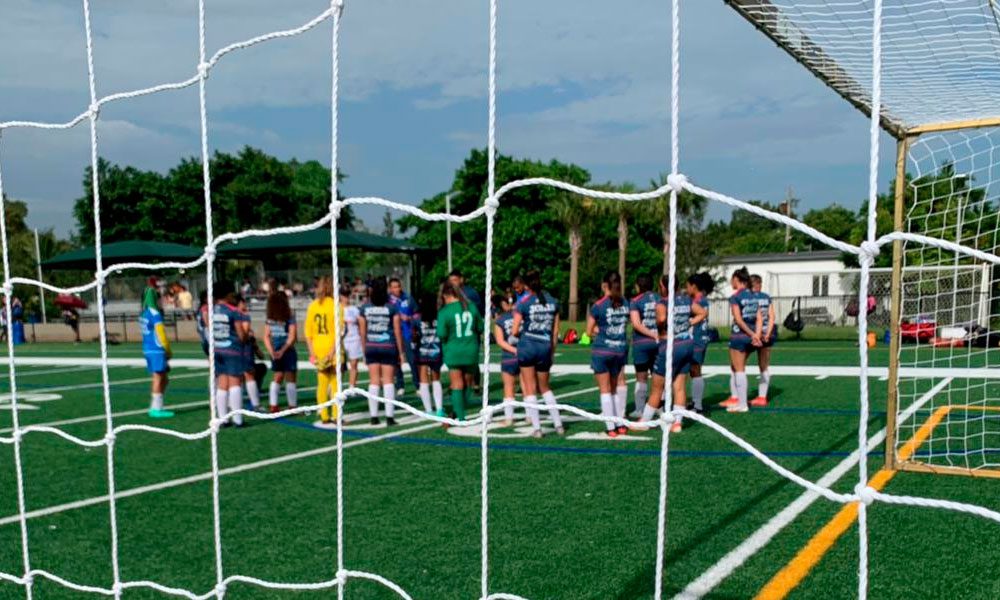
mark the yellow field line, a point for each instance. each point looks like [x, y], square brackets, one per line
[788, 578]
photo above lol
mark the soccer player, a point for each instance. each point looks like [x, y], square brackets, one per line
[503, 325]
[645, 340]
[321, 335]
[699, 286]
[201, 320]
[230, 330]
[280, 335]
[687, 315]
[606, 324]
[405, 306]
[156, 349]
[352, 336]
[427, 348]
[769, 335]
[744, 337]
[520, 290]
[249, 355]
[536, 325]
[382, 340]
[459, 326]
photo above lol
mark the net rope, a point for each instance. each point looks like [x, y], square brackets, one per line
[676, 184]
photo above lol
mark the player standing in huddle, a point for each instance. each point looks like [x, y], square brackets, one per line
[405, 305]
[503, 326]
[459, 326]
[230, 331]
[606, 324]
[645, 340]
[699, 286]
[769, 335]
[427, 350]
[743, 339]
[352, 335]
[323, 324]
[536, 325]
[687, 315]
[382, 340]
[156, 350]
[280, 335]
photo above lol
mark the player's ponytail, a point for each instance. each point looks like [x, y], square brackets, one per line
[742, 275]
[533, 279]
[614, 282]
[379, 292]
[703, 282]
[450, 290]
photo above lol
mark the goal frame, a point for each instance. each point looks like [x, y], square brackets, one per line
[892, 462]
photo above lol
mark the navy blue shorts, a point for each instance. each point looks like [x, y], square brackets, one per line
[644, 356]
[435, 365]
[698, 355]
[156, 363]
[534, 355]
[229, 364]
[204, 346]
[248, 359]
[741, 342]
[381, 356]
[288, 363]
[773, 339]
[508, 365]
[607, 362]
[683, 355]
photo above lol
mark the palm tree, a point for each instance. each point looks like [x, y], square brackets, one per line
[623, 211]
[573, 211]
[689, 206]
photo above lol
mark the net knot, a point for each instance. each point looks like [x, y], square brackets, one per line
[220, 590]
[337, 5]
[210, 253]
[8, 288]
[109, 438]
[341, 577]
[117, 589]
[17, 436]
[676, 181]
[100, 278]
[865, 493]
[93, 110]
[869, 250]
[203, 69]
[29, 579]
[216, 424]
[492, 204]
[335, 207]
[667, 417]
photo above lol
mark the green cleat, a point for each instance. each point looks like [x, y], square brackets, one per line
[160, 414]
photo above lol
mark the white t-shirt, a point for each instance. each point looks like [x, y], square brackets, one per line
[351, 314]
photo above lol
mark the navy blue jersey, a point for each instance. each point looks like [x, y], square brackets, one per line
[505, 321]
[701, 329]
[611, 325]
[279, 331]
[683, 331]
[764, 302]
[538, 319]
[224, 320]
[747, 303]
[380, 332]
[645, 306]
[429, 349]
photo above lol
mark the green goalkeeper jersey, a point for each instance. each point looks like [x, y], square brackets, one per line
[459, 329]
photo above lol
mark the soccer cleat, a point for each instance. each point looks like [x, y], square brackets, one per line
[274, 409]
[536, 433]
[635, 415]
[622, 430]
[612, 433]
[374, 421]
[560, 431]
[676, 427]
[325, 421]
[440, 413]
[160, 413]
[390, 422]
[738, 409]
[728, 403]
[759, 401]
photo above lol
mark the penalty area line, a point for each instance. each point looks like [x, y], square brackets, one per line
[735, 558]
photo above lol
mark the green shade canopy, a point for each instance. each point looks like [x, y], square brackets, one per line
[314, 239]
[121, 252]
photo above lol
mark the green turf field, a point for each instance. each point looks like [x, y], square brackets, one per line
[570, 517]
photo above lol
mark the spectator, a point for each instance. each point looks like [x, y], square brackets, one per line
[246, 290]
[184, 300]
[72, 319]
[360, 291]
[457, 279]
[16, 320]
[404, 305]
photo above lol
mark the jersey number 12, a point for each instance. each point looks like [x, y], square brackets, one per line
[463, 318]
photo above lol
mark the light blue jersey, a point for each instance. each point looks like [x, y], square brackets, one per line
[148, 320]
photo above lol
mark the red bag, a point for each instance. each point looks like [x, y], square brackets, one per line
[571, 337]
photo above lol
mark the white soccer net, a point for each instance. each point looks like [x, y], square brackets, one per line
[948, 302]
[852, 33]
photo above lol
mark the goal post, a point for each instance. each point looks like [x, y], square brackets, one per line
[943, 304]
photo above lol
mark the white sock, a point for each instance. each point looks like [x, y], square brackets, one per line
[221, 402]
[236, 403]
[733, 392]
[292, 393]
[254, 392]
[607, 409]
[425, 396]
[272, 393]
[648, 413]
[373, 403]
[508, 411]
[641, 389]
[697, 391]
[741, 388]
[390, 394]
[621, 401]
[157, 402]
[550, 399]
[532, 410]
[763, 383]
[438, 392]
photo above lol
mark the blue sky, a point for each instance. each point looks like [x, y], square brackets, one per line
[584, 81]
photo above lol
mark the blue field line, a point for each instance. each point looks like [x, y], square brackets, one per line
[571, 449]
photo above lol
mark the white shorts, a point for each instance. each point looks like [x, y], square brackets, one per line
[353, 349]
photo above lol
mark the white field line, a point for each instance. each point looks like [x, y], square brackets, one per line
[33, 372]
[576, 369]
[51, 510]
[708, 580]
[84, 386]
